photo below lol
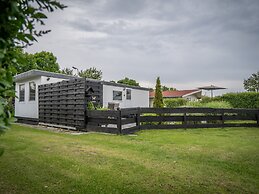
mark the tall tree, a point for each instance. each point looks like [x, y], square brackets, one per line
[252, 83]
[158, 100]
[91, 73]
[127, 81]
[17, 28]
[24, 61]
[43, 60]
[46, 61]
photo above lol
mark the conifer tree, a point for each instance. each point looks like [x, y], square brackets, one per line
[158, 100]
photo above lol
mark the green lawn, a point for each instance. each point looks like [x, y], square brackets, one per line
[156, 161]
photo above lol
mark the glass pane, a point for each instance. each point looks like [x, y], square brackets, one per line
[117, 95]
[32, 90]
[21, 92]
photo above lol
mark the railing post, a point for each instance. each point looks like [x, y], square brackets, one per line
[119, 121]
[185, 118]
[86, 119]
[222, 118]
[138, 118]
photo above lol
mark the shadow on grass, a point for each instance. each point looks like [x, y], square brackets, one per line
[1, 151]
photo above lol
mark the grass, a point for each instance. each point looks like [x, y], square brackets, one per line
[157, 161]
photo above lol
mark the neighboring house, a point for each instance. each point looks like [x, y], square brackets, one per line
[191, 95]
[27, 101]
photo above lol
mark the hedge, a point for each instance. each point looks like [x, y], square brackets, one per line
[174, 102]
[211, 104]
[242, 100]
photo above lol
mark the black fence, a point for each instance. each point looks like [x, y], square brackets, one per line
[64, 103]
[130, 120]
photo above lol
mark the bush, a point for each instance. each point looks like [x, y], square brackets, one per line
[193, 104]
[218, 104]
[174, 102]
[206, 99]
[212, 104]
[242, 100]
[90, 106]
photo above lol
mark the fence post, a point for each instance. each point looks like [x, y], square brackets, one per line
[185, 118]
[86, 119]
[257, 117]
[222, 118]
[138, 118]
[119, 121]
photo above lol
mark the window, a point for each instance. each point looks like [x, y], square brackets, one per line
[128, 94]
[117, 95]
[32, 93]
[21, 92]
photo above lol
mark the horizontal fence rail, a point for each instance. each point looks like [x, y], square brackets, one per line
[130, 120]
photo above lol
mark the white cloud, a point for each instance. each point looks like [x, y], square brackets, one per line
[188, 44]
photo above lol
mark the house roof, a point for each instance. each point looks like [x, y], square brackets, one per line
[125, 85]
[175, 94]
[36, 73]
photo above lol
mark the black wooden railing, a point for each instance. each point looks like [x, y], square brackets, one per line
[130, 120]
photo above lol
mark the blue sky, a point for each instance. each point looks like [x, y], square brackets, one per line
[187, 43]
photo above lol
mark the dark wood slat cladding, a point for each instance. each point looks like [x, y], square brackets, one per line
[130, 130]
[102, 114]
[64, 103]
[26, 120]
[102, 121]
[128, 111]
[160, 118]
[125, 121]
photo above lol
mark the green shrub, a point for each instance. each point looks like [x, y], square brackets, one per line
[212, 104]
[193, 104]
[206, 99]
[102, 108]
[242, 100]
[90, 106]
[174, 102]
[218, 104]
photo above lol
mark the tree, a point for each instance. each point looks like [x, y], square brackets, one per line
[45, 61]
[165, 88]
[66, 71]
[91, 73]
[252, 83]
[21, 64]
[17, 29]
[127, 81]
[158, 100]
